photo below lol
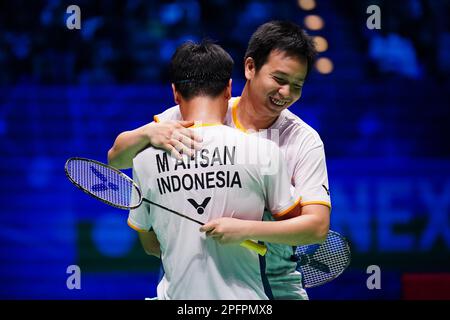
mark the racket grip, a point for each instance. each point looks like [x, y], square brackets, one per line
[254, 246]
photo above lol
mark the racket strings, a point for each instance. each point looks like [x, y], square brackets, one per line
[103, 182]
[322, 263]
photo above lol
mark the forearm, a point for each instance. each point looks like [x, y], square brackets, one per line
[126, 146]
[153, 251]
[156, 252]
[303, 230]
[150, 243]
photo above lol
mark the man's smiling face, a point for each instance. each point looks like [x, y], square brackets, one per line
[278, 83]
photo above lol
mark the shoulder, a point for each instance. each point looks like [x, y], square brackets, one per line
[260, 144]
[142, 160]
[172, 113]
[230, 135]
[295, 130]
[224, 134]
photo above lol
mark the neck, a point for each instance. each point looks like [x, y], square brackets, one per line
[250, 115]
[204, 109]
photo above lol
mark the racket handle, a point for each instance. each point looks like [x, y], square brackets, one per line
[258, 248]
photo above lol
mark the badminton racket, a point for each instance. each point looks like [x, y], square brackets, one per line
[321, 263]
[116, 189]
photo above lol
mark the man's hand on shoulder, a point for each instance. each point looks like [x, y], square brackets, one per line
[174, 137]
[171, 136]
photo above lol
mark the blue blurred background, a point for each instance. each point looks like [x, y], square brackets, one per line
[379, 99]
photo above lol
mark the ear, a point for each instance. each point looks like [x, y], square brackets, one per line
[228, 90]
[250, 68]
[176, 95]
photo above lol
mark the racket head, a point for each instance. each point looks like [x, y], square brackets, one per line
[103, 182]
[321, 263]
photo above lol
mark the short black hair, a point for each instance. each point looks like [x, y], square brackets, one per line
[284, 36]
[200, 69]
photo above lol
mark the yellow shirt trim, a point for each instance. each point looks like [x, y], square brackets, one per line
[155, 118]
[234, 115]
[199, 125]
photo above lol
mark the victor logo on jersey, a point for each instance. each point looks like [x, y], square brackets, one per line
[328, 192]
[200, 207]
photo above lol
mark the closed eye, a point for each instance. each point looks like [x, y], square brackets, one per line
[280, 80]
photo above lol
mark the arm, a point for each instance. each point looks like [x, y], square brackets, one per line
[171, 136]
[306, 223]
[308, 228]
[150, 243]
[301, 225]
[127, 145]
[311, 227]
[139, 219]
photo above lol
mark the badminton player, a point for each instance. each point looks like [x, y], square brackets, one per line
[233, 175]
[277, 61]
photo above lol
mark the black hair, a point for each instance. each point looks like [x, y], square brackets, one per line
[200, 69]
[284, 36]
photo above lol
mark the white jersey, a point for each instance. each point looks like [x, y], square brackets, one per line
[233, 175]
[304, 153]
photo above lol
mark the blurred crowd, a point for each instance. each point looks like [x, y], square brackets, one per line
[414, 39]
[119, 41]
[132, 41]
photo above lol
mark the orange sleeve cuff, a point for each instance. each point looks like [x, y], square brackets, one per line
[291, 212]
[134, 227]
[327, 204]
